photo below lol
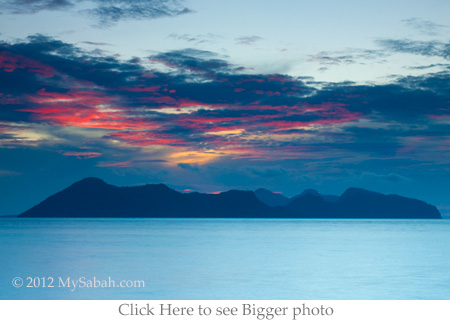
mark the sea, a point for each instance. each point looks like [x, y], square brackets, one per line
[224, 259]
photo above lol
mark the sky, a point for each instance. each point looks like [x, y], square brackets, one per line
[210, 96]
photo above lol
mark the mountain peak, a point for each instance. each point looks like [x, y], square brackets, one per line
[271, 198]
[90, 181]
[310, 192]
[351, 192]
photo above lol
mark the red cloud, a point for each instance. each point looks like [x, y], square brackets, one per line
[83, 108]
[9, 62]
[134, 107]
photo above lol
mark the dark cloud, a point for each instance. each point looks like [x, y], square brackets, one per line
[112, 11]
[33, 6]
[267, 172]
[438, 83]
[424, 26]
[376, 142]
[187, 166]
[416, 47]
[107, 12]
[406, 99]
[193, 60]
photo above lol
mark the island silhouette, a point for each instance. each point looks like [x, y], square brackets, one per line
[92, 197]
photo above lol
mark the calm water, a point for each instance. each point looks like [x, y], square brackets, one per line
[229, 259]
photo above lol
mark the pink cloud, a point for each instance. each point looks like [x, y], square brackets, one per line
[83, 155]
[123, 164]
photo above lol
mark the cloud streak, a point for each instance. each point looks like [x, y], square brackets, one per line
[195, 39]
[248, 40]
[424, 26]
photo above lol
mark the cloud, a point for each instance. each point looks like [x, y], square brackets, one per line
[438, 83]
[106, 12]
[7, 173]
[111, 11]
[82, 155]
[349, 56]
[96, 43]
[190, 167]
[424, 26]
[128, 163]
[416, 47]
[393, 177]
[267, 172]
[390, 177]
[447, 66]
[195, 39]
[389, 46]
[194, 107]
[33, 6]
[193, 60]
[324, 58]
[248, 40]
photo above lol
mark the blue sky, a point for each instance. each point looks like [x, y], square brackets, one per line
[211, 96]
